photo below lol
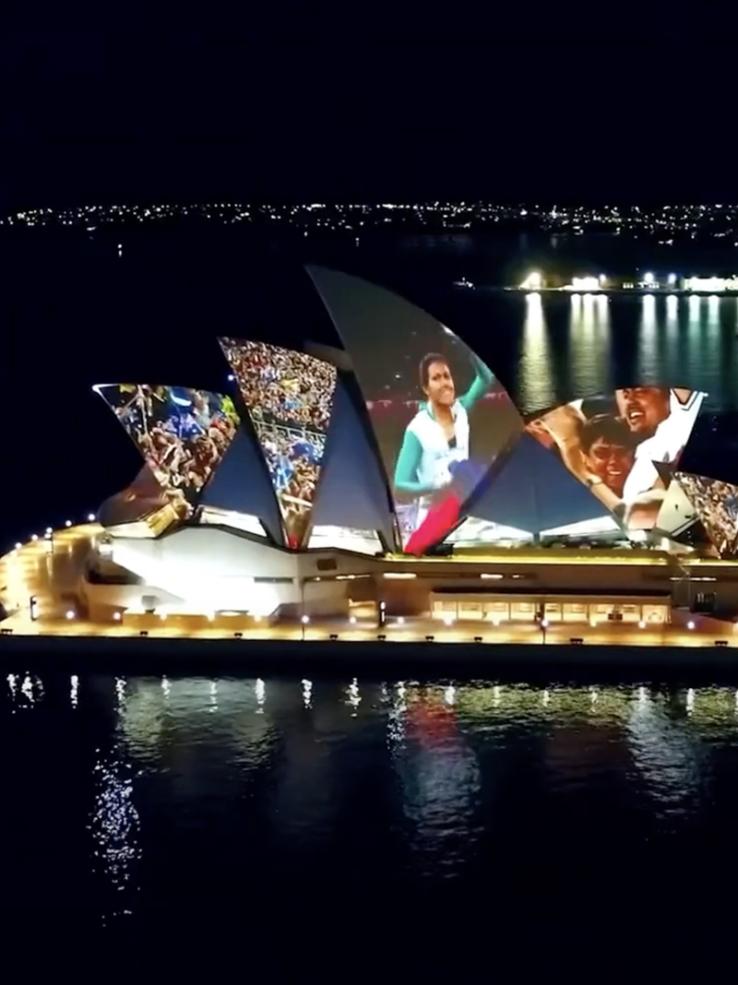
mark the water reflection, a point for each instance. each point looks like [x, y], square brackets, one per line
[595, 342]
[536, 376]
[440, 781]
[246, 781]
[589, 333]
[664, 756]
[115, 827]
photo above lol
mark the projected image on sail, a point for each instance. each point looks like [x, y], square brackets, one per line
[716, 505]
[440, 417]
[181, 433]
[289, 398]
[623, 445]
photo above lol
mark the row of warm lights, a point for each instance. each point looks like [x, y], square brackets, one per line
[448, 620]
[535, 282]
[49, 532]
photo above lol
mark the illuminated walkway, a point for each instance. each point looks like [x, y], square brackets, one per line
[49, 569]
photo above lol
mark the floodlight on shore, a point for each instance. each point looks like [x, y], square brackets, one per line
[586, 284]
[533, 282]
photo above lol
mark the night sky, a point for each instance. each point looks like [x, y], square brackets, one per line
[305, 102]
[322, 101]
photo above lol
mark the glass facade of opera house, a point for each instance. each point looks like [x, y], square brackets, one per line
[401, 461]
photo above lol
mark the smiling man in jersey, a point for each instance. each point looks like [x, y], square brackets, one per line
[429, 467]
[660, 421]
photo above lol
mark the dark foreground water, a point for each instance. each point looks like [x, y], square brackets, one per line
[345, 815]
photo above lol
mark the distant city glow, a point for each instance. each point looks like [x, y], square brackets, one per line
[662, 223]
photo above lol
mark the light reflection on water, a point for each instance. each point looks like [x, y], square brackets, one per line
[586, 344]
[226, 779]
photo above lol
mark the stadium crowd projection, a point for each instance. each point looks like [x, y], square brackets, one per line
[289, 398]
[440, 417]
[623, 445]
[182, 434]
[716, 505]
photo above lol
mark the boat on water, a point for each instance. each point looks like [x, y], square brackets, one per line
[463, 282]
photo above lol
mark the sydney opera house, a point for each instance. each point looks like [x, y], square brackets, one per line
[393, 480]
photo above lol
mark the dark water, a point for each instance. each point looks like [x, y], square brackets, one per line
[303, 811]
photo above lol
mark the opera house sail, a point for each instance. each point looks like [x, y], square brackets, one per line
[329, 475]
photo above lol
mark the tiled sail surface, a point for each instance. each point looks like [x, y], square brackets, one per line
[623, 445]
[715, 504]
[439, 416]
[289, 398]
[182, 435]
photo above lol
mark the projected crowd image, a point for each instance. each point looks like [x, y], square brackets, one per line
[182, 434]
[716, 504]
[614, 444]
[289, 397]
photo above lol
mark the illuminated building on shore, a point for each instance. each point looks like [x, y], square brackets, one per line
[397, 473]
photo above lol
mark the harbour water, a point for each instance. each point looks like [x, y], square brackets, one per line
[134, 804]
